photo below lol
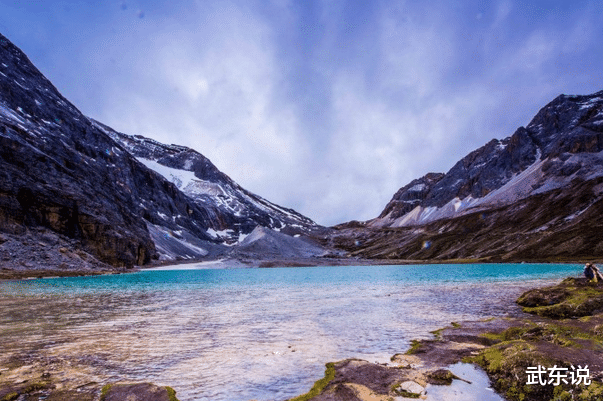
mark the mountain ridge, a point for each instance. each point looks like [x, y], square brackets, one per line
[552, 168]
[66, 174]
[569, 125]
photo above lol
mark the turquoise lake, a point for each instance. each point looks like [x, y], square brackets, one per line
[243, 334]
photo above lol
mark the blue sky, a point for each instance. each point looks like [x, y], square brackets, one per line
[327, 107]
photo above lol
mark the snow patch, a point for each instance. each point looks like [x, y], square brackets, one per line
[220, 234]
[418, 188]
[180, 178]
[590, 103]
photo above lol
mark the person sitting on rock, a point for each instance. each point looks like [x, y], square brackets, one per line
[592, 272]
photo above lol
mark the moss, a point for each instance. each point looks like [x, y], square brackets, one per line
[171, 393]
[415, 347]
[319, 385]
[36, 386]
[575, 301]
[455, 325]
[560, 394]
[441, 377]
[438, 333]
[104, 391]
[403, 393]
[593, 392]
[10, 397]
[506, 364]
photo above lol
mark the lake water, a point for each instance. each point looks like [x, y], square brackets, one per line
[242, 334]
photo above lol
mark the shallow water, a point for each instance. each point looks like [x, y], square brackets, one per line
[246, 334]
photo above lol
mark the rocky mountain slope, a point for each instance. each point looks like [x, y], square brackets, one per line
[233, 211]
[122, 200]
[534, 195]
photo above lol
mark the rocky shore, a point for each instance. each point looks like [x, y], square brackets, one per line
[562, 328]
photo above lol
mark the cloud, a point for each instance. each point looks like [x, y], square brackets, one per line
[212, 85]
[329, 108]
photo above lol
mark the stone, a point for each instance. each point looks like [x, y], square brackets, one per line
[135, 392]
[412, 387]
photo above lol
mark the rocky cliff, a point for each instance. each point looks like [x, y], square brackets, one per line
[561, 144]
[118, 198]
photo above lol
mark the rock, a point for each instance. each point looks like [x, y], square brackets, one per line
[412, 387]
[137, 392]
[573, 297]
[440, 377]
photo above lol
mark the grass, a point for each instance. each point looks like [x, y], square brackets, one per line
[319, 385]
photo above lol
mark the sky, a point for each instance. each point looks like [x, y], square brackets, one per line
[326, 107]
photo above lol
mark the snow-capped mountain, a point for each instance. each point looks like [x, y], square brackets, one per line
[535, 195]
[125, 200]
[562, 143]
[233, 211]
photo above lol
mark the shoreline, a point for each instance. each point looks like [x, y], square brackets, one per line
[25, 273]
[461, 342]
[562, 326]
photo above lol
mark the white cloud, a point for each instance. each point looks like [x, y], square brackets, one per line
[214, 89]
[413, 94]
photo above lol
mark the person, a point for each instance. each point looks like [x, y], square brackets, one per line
[592, 272]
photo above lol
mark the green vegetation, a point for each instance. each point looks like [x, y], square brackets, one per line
[591, 393]
[10, 397]
[547, 343]
[571, 298]
[506, 365]
[455, 325]
[438, 333]
[36, 386]
[104, 391]
[401, 392]
[171, 393]
[319, 385]
[415, 347]
[407, 394]
[441, 377]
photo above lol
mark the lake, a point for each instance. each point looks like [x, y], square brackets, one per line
[242, 334]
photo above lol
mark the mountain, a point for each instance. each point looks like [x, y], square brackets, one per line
[70, 185]
[233, 211]
[534, 195]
